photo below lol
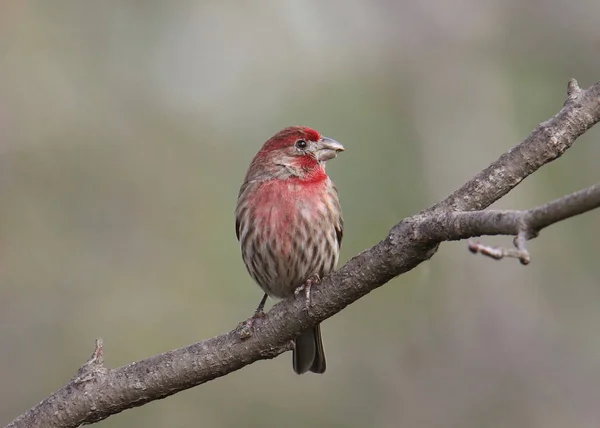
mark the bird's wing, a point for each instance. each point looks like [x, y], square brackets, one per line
[339, 230]
[238, 223]
[339, 223]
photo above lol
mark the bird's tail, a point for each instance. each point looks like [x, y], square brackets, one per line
[308, 353]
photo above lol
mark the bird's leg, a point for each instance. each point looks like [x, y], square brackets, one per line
[312, 280]
[259, 311]
[246, 327]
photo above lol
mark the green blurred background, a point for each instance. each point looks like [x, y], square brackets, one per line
[126, 129]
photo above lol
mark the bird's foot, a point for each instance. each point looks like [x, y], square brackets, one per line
[313, 280]
[245, 328]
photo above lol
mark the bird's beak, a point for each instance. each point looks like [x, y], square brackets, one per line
[327, 148]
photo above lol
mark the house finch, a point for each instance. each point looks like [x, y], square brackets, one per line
[289, 224]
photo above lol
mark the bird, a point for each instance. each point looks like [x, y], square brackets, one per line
[289, 223]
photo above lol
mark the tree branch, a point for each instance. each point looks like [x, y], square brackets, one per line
[548, 141]
[524, 225]
[96, 392]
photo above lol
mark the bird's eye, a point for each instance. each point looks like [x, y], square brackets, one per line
[301, 144]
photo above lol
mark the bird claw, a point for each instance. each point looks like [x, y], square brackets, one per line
[313, 280]
[245, 328]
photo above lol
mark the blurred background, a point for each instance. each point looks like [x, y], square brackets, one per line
[126, 129]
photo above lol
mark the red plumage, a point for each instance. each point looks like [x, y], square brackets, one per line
[289, 223]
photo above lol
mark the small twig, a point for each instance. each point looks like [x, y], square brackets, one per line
[573, 90]
[94, 365]
[497, 253]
